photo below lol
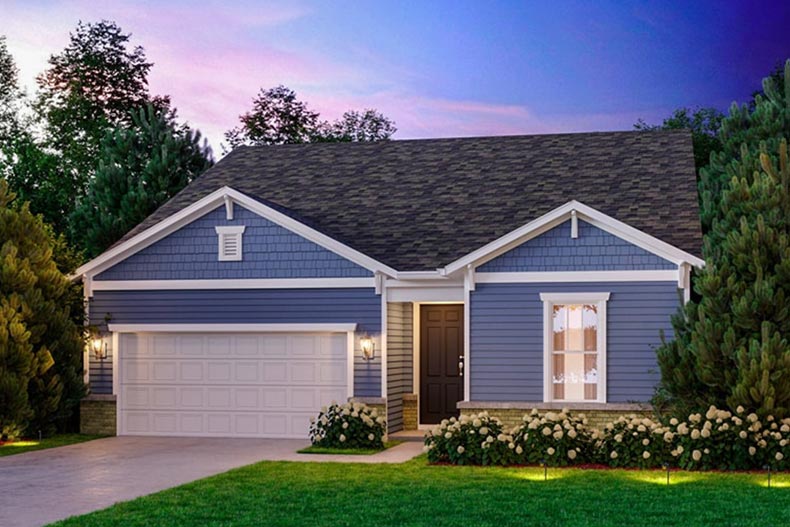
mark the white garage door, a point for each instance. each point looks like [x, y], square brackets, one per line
[228, 385]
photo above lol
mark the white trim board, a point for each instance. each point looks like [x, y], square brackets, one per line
[232, 328]
[252, 283]
[667, 275]
[209, 203]
[560, 215]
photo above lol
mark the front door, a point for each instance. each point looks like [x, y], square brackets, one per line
[441, 361]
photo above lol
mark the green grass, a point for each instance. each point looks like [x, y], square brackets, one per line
[348, 494]
[348, 451]
[28, 445]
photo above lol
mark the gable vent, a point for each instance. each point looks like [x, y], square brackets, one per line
[230, 243]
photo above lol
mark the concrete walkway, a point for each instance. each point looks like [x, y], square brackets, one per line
[49, 485]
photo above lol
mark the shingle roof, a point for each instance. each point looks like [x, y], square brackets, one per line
[420, 204]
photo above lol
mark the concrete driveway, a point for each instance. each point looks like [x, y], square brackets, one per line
[49, 485]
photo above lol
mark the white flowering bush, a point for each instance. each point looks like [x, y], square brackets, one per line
[349, 425]
[715, 440]
[723, 440]
[634, 441]
[557, 439]
[469, 440]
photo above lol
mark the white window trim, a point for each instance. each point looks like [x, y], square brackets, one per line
[229, 230]
[549, 300]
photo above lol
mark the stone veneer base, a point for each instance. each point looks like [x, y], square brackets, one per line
[598, 414]
[98, 415]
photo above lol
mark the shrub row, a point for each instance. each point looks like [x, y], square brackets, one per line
[715, 440]
[349, 425]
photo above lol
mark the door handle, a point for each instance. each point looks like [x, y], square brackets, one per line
[461, 365]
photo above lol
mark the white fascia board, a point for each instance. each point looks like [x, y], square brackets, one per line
[232, 328]
[559, 215]
[426, 294]
[211, 202]
[577, 276]
[251, 283]
[574, 297]
[436, 282]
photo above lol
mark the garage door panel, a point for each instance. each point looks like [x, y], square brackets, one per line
[304, 346]
[247, 345]
[218, 371]
[164, 371]
[191, 346]
[191, 371]
[163, 397]
[246, 371]
[265, 385]
[218, 398]
[193, 398]
[275, 372]
[219, 346]
[304, 372]
[163, 346]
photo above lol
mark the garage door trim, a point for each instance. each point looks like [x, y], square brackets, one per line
[116, 329]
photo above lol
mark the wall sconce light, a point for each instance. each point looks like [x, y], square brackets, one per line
[99, 346]
[368, 347]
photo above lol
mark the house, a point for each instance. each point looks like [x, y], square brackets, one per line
[427, 277]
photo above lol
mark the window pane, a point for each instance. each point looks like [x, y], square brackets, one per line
[559, 376]
[575, 331]
[590, 321]
[558, 325]
[590, 377]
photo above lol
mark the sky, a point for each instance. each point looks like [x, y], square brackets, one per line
[438, 69]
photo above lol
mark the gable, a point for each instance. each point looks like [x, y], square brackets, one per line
[269, 251]
[593, 250]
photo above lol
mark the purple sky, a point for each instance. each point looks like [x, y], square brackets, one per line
[437, 68]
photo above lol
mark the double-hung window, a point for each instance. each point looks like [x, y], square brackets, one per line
[574, 344]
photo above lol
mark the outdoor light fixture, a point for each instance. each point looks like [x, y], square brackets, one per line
[545, 469]
[666, 467]
[99, 347]
[768, 468]
[368, 347]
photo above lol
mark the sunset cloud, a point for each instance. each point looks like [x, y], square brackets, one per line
[435, 71]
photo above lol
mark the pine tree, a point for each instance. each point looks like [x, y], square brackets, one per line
[766, 119]
[140, 167]
[38, 338]
[731, 348]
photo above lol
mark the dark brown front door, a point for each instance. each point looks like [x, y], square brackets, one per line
[441, 358]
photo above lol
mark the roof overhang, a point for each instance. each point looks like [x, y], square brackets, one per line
[560, 215]
[224, 196]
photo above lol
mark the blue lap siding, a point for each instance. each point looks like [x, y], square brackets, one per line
[269, 251]
[593, 250]
[507, 338]
[251, 306]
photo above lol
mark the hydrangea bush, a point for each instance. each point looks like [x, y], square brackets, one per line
[349, 425]
[715, 440]
[633, 441]
[470, 440]
[557, 439]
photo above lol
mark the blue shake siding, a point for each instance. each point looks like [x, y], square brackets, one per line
[507, 338]
[269, 251]
[251, 306]
[593, 250]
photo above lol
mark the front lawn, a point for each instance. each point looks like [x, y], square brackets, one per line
[335, 494]
[28, 445]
